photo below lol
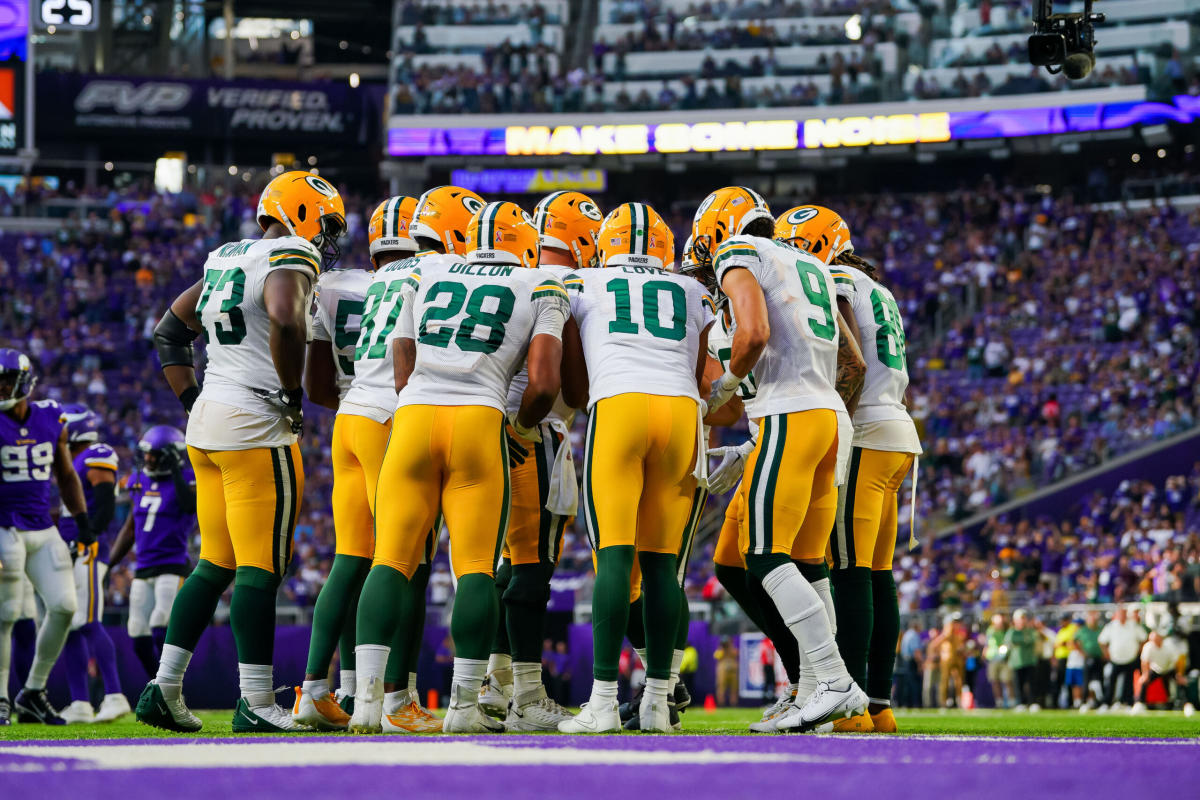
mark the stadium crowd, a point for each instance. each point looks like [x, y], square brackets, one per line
[1009, 392]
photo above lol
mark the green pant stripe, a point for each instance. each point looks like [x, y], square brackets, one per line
[506, 503]
[292, 504]
[277, 535]
[543, 454]
[689, 533]
[766, 440]
[843, 542]
[589, 502]
[773, 479]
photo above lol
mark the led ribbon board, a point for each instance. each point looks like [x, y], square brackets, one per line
[765, 135]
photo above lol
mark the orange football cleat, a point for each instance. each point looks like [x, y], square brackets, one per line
[859, 723]
[322, 713]
[411, 718]
[884, 721]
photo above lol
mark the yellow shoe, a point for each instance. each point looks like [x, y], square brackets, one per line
[885, 721]
[859, 723]
[411, 718]
[322, 713]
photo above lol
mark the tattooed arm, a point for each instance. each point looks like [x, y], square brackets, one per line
[851, 368]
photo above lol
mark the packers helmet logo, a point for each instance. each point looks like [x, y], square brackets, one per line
[802, 215]
[320, 185]
[589, 210]
[526, 218]
[708, 201]
[472, 204]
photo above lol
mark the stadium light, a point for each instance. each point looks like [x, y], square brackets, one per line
[354, 80]
[853, 28]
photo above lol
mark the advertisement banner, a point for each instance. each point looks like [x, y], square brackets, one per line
[14, 51]
[90, 106]
[787, 134]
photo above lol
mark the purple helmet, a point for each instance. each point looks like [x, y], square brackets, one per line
[16, 377]
[83, 424]
[153, 449]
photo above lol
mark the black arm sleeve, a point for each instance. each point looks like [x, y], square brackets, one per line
[184, 491]
[104, 500]
[173, 341]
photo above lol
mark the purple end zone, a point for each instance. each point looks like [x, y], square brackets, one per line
[691, 767]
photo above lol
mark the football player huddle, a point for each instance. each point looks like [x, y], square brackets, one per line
[456, 362]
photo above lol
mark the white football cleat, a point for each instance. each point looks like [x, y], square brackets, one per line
[113, 707]
[654, 716]
[593, 719]
[1020, 708]
[464, 714]
[1137, 709]
[534, 711]
[1188, 709]
[321, 713]
[80, 712]
[368, 707]
[265, 719]
[772, 713]
[496, 695]
[826, 704]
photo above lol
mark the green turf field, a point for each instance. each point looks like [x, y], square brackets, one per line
[733, 721]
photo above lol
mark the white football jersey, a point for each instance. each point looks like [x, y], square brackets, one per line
[640, 328]
[372, 392]
[237, 330]
[338, 317]
[798, 368]
[516, 390]
[473, 324]
[720, 347]
[883, 348]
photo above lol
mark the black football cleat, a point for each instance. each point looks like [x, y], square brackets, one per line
[33, 705]
[5, 712]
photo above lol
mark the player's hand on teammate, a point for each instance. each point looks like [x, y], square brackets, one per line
[722, 389]
[290, 403]
[726, 474]
[519, 444]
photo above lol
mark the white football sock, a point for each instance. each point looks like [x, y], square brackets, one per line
[875, 701]
[412, 684]
[370, 660]
[604, 693]
[808, 679]
[804, 614]
[498, 661]
[641, 654]
[347, 681]
[469, 674]
[825, 591]
[52, 635]
[171, 665]
[255, 683]
[316, 689]
[676, 663]
[6, 629]
[657, 688]
[394, 701]
[527, 676]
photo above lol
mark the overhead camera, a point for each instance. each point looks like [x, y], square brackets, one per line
[1064, 43]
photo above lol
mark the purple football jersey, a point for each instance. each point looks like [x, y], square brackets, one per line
[160, 527]
[27, 448]
[98, 456]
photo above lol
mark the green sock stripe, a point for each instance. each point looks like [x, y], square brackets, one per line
[813, 572]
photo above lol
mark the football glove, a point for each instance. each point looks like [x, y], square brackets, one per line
[533, 434]
[84, 535]
[733, 463]
[722, 389]
[290, 404]
[517, 450]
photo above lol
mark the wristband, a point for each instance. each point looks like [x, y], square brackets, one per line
[188, 397]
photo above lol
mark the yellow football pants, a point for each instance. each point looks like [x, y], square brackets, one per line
[357, 449]
[534, 534]
[728, 553]
[788, 495]
[638, 487]
[448, 458]
[865, 534]
[685, 548]
[247, 502]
